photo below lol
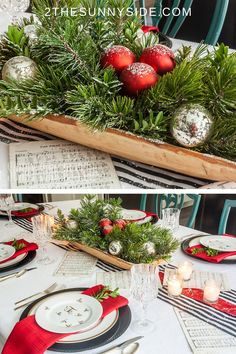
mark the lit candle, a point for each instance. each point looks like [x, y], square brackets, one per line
[185, 270]
[174, 286]
[211, 291]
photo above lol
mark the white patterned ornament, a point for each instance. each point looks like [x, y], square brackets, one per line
[191, 125]
[19, 68]
[14, 5]
[31, 32]
[150, 248]
[72, 224]
[115, 248]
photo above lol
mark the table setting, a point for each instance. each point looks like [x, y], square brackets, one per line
[147, 299]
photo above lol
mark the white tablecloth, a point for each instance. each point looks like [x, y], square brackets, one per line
[168, 337]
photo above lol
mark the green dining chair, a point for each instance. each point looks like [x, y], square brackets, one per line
[225, 215]
[162, 201]
[173, 23]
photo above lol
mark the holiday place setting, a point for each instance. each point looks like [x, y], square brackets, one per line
[111, 84]
[118, 282]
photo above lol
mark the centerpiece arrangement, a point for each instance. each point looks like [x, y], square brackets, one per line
[97, 228]
[104, 82]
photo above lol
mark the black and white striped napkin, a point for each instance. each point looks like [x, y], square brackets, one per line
[131, 174]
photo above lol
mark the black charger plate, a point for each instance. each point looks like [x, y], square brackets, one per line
[116, 331]
[30, 256]
[185, 245]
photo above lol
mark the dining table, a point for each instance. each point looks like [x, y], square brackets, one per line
[131, 174]
[167, 337]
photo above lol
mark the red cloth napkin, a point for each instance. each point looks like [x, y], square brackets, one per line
[28, 338]
[146, 29]
[213, 259]
[25, 213]
[28, 247]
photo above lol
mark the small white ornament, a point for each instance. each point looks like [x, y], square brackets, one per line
[72, 224]
[150, 248]
[115, 248]
[31, 32]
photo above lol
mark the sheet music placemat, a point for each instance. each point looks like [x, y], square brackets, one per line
[204, 338]
[76, 263]
[120, 280]
[198, 279]
[60, 164]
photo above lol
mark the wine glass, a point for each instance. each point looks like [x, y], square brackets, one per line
[144, 289]
[7, 204]
[170, 218]
[42, 232]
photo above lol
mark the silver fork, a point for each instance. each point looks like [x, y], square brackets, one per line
[46, 291]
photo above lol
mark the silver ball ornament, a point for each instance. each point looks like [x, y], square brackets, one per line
[191, 125]
[115, 248]
[150, 248]
[31, 32]
[72, 224]
[19, 68]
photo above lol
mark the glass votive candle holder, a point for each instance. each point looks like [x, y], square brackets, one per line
[185, 270]
[174, 285]
[211, 291]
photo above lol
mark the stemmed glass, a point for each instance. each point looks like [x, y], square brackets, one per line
[7, 204]
[42, 232]
[144, 289]
[170, 218]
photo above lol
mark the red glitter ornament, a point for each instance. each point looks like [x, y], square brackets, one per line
[160, 57]
[105, 222]
[118, 56]
[120, 223]
[138, 77]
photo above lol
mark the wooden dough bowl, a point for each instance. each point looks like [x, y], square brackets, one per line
[103, 256]
[136, 148]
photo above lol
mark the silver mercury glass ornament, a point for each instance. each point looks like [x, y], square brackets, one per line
[31, 32]
[19, 68]
[72, 224]
[150, 248]
[191, 125]
[115, 248]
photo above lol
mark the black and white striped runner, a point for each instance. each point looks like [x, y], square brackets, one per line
[131, 174]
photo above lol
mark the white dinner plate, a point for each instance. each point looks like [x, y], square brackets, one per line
[144, 221]
[6, 251]
[13, 261]
[100, 328]
[132, 215]
[219, 243]
[196, 242]
[68, 313]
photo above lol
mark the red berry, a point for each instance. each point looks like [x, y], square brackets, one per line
[160, 57]
[138, 77]
[120, 223]
[107, 230]
[105, 222]
[118, 56]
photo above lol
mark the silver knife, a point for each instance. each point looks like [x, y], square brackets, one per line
[16, 274]
[121, 346]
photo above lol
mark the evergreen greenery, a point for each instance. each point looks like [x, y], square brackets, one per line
[132, 238]
[70, 80]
